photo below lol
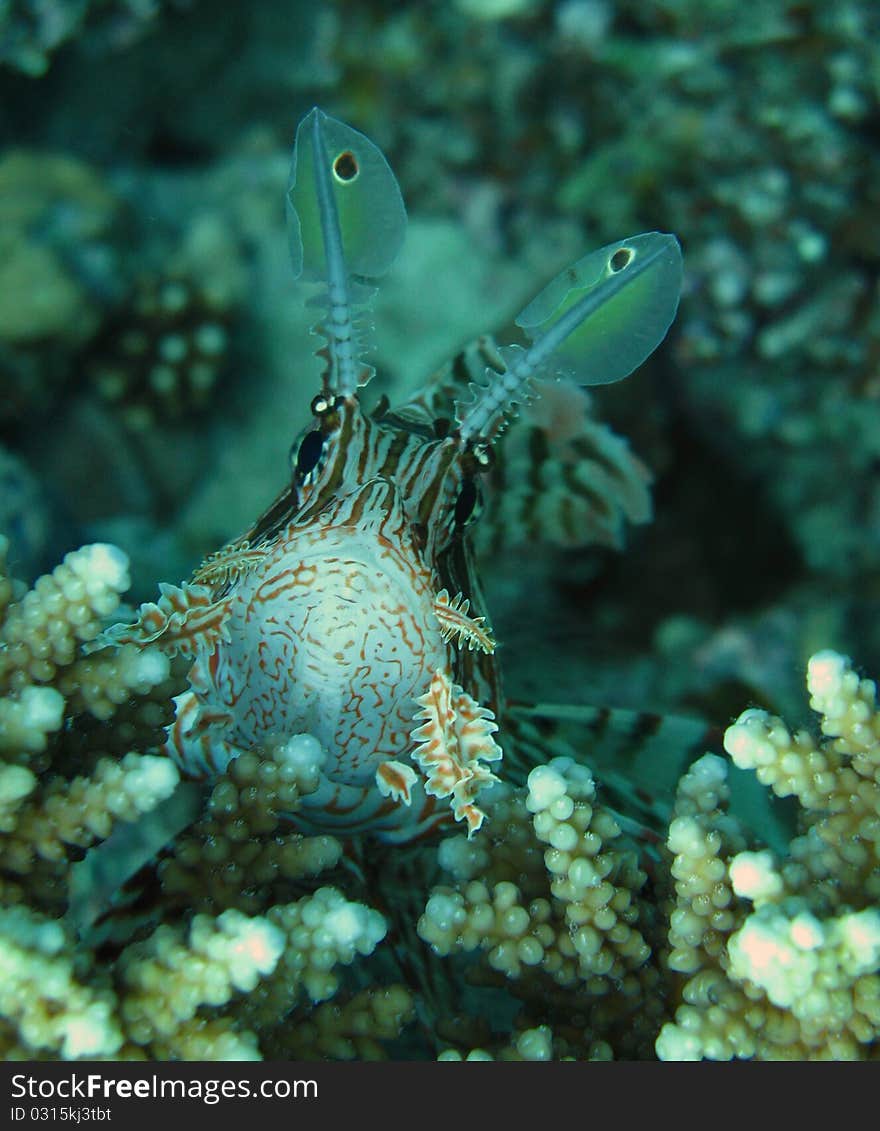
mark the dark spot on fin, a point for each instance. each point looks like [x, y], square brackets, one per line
[620, 259]
[346, 167]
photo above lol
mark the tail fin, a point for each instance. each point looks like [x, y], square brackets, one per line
[638, 758]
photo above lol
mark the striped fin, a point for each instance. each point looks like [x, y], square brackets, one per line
[436, 398]
[97, 879]
[638, 758]
[561, 477]
[195, 739]
[185, 621]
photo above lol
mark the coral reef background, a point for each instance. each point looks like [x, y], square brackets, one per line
[155, 366]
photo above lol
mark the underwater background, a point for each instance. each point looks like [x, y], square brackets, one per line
[156, 363]
[145, 142]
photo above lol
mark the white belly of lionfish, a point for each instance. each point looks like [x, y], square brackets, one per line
[333, 634]
[338, 642]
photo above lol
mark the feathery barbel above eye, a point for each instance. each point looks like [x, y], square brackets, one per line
[599, 318]
[346, 223]
[609, 311]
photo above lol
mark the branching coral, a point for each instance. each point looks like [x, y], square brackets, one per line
[60, 256]
[43, 633]
[783, 957]
[48, 1000]
[163, 355]
[557, 906]
[353, 1029]
[46, 675]
[238, 854]
[747, 956]
[564, 931]
[55, 998]
[185, 985]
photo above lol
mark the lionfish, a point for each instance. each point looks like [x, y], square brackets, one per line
[351, 610]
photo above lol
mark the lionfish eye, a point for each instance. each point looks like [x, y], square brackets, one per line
[467, 503]
[306, 456]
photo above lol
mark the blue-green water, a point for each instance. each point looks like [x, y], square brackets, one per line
[155, 356]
